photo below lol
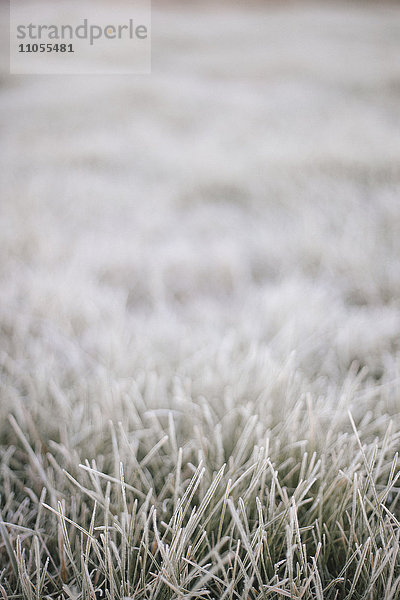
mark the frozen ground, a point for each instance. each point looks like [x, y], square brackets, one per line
[211, 253]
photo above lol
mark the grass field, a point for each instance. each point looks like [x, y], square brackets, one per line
[199, 315]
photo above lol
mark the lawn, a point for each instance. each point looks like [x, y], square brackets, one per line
[199, 314]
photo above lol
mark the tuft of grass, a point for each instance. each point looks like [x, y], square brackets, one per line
[161, 519]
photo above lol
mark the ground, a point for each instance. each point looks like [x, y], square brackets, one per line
[199, 307]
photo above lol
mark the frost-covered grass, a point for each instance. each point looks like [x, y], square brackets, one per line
[199, 315]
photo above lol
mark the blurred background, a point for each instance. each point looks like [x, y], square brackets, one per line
[248, 189]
